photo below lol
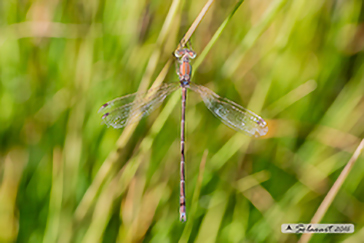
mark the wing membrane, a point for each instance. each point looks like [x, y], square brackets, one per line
[131, 108]
[230, 113]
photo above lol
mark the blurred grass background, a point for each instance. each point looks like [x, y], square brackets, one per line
[65, 177]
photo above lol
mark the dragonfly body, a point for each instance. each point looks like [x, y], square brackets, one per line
[183, 56]
[131, 108]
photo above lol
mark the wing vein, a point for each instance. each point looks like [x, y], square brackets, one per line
[131, 108]
[230, 113]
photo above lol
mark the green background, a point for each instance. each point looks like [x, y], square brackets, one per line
[66, 177]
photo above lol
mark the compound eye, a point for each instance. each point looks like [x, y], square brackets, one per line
[178, 53]
[191, 54]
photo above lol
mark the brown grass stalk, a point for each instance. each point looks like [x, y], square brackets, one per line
[333, 191]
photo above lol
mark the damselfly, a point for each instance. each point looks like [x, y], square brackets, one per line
[131, 108]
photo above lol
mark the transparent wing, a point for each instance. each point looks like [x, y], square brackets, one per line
[232, 114]
[131, 108]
